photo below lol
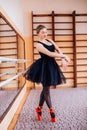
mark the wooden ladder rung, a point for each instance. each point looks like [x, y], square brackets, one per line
[63, 22]
[81, 34]
[8, 36]
[8, 42]
[8, 48]
[2, 24]
[42, 22]
[81, 21]
[63, 40]
[63, 29]
[63, 34]
[7, 67]
[84, 40]
[9, 55]
[6, 30]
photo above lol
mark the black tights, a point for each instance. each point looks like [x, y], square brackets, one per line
[45, 96]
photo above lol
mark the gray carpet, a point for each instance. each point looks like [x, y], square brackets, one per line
[6, 97]
[70, 107]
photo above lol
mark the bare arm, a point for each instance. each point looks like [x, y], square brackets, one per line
[60, 52]
[42, 49]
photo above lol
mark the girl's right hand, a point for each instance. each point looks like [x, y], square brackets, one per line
[67, 59]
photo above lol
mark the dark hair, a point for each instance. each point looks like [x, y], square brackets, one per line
[39, 27]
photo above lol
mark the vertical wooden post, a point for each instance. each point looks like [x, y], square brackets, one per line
[32, 35]
[74, 49]
[53, 33]
[32, 15]
[24, 54]
[17, 58]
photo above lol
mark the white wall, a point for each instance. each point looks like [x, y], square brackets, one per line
[20, 10]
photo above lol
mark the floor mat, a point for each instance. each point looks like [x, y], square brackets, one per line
[70, 106]
[6, 97]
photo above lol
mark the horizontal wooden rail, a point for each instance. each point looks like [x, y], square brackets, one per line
[10, 79]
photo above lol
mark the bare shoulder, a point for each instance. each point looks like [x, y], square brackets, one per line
[41, 49]
[39, 46]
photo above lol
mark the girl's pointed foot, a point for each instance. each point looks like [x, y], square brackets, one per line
[39, 112]
[53, 118]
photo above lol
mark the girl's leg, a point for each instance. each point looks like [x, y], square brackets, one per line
[41, 102]
[47, 98]
[44, 96]
[39, 108]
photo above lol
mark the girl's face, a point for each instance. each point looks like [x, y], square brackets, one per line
[43, 34]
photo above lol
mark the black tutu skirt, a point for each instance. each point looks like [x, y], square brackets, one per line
[45, 71]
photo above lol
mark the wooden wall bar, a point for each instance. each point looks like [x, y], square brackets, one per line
[12, 45]
[69, 31]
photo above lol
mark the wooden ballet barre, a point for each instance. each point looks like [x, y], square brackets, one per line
[10, 79]
[4, 59]
[8, 72]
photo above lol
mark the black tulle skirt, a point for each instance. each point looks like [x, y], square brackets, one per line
[45, 71]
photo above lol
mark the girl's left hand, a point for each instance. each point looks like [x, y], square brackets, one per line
[64, 64]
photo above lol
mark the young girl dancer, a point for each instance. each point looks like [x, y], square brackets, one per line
[45, 70]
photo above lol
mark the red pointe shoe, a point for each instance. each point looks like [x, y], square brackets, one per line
[53, 118]
[39, 112]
